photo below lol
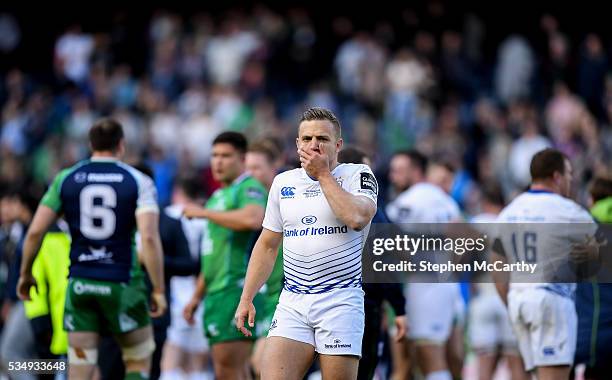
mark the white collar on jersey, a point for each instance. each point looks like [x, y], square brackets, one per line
[240, 178]
[104, 159]
[308, 178]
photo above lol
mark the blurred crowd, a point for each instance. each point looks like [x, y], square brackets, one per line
[419, 83]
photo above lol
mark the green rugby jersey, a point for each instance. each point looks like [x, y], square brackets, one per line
[225, 252]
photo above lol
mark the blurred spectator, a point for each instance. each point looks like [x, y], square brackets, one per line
[10, 34]
[591, 74]
[515, 69]
[72, 52]
[523, 149]
[227, 52]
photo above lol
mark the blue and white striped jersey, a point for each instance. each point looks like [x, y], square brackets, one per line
[320, 252]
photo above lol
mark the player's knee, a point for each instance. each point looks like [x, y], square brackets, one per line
[82, 356]
[140, 351]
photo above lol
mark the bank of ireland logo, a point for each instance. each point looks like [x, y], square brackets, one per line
[337, 341]
[309, 219]
[287, 192]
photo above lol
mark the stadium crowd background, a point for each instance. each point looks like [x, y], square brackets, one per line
[482, 91]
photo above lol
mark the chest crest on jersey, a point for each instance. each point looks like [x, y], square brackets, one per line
[218, 204]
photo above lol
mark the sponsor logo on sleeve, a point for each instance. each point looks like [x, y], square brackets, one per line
[254, 193]
[368, 182]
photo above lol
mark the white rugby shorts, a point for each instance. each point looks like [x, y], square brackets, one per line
[332, 322]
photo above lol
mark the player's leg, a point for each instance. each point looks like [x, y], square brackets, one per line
[82, 354]
[431, 357]
[516, 366]
[484, 333]
[560, 372]
[173, 361]
[197, 365]
[554, 324]
[82, 322]
[285, 358]
[516, 306]
[340, 367]
[509, 343]
[455, 351]
[257, 356]
[231, 359]
[430, 325]
[265, 315]
[126, 312]
[137, 348]
[230, 350]
[401, 358]
[487, 362]
[454, 347]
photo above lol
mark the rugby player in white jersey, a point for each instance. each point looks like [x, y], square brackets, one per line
[321, 212]
[490, 333]
[543, 314]
[431, 323]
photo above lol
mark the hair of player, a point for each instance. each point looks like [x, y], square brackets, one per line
[600, 188]
[265, 147]
[23, 195]
[546, 163]
[235, 139]
[191, 186]
[105, 135]
[318, 113]
[351, 155]
[447, 165]
[417, 159]
[492, 193]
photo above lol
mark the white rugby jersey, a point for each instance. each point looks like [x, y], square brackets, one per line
[320, 253]
[539, 227]
[423, 203]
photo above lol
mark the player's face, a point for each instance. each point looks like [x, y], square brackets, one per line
[259, 166]
[227, 163]
[319, 135]
[440, 176]
[399, 172]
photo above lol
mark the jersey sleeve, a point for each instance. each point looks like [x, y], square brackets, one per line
[52, 197]
[272, 220]
[364, 183]
[251, 192]
[582, 222]
[147, 195]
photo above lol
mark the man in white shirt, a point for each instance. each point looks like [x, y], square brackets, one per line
[321, 212]
[432, 308]
[543, 313]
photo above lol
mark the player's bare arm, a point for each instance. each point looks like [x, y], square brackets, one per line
[501, 278]
[196, 299]
[259, 269]
[244, 219]
[43, 218]
[148, 226]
